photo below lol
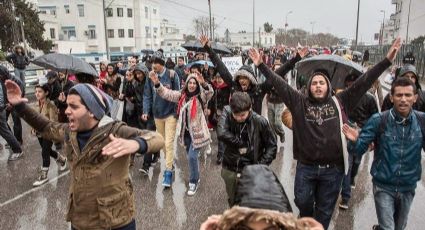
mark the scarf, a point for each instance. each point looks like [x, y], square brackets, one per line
[185, 97]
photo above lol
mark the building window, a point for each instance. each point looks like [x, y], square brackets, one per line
[155, 30]
[121, 33]
[270, 40]
[80, 10]
[148, 35]
[154, 11]
[66, 9]
[129, 12]
[110, 33]
[109, 12]
[53, 11]
[146, 11]
[52, 33]
[92, 32]
[120, 12]
[130, 33]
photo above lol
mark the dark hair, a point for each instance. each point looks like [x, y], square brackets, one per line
[181, 57]
[196, 66]
[115, 68]
[85, 78]
[240, 102]
[44, 87]
[402, 81]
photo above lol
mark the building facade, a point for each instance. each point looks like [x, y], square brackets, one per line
[408, 19]
[171, 36]
[131, 25]
[245, 39]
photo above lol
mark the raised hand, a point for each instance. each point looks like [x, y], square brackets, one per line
[255, 56]
[204, 40]
[154, 77]
[392, 53]
[199, 78]
[14, 93]
[351, 133]
[304, 52]
[119, 147]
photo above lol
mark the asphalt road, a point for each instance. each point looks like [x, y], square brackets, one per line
[25, 207]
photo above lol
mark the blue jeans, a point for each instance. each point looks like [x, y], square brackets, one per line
[20, 74]
[192, 155]
[392, 208]
[316, 191]
[346, 181]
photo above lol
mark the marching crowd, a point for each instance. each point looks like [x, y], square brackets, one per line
[166, 105]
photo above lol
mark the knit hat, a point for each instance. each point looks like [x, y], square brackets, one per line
[96, 101]
[158, 57]
[51, 74]
[408, 68]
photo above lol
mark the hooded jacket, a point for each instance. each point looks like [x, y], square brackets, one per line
[196, 125]
[259, 187]
[139, 88]
[101, 191]
[316, 124]
[7, 76]
[19, 61]
[256, 91]
[419, 105]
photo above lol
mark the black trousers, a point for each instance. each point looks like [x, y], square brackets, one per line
[46, 151]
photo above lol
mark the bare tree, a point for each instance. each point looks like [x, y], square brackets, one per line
[202, 26]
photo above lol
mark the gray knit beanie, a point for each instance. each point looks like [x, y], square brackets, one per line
[97, 102]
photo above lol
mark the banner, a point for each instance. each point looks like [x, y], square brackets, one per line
[232, 63]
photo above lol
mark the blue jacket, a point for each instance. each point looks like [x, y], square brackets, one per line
[157, 106]
[397, 161]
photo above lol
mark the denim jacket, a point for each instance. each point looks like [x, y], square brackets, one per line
[397, 159]
[157, 106]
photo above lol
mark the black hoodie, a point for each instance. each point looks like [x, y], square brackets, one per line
[316, 125]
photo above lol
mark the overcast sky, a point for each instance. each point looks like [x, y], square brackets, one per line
[334, 16]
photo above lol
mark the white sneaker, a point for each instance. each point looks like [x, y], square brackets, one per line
[193, 188]
[42, 178]
[208, 150]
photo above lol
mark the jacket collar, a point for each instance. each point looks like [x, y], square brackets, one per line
[400, 119]
[104, 121]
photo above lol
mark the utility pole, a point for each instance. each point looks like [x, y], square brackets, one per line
[357, 26]
[408, 22]
[213, 34]
[286, 25]
[211, 31]
[21, 22]
[259, 37]
[383, 26]
[253, 23]
[106, 31]
[150, 25]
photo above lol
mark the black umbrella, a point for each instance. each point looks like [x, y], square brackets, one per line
[337, 67]
[65, 63]
[198, 47]
[147, 51]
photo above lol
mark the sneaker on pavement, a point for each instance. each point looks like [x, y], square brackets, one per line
[42, 178]
[376, 227]
[15, 156]
[343, 205]
[192, 189]
[353, 185]
[144, 170]
[61, 161]
[168, 177]
[219, 160]
[208, 150]
[154, 160]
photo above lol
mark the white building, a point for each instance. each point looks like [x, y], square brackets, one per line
[407, 25]
[171, 36]
[388, 33]
[131, 25]
[245, 39]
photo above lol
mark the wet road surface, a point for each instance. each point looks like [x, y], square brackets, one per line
[23, 207]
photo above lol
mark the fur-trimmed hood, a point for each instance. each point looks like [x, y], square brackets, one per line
[247, 72]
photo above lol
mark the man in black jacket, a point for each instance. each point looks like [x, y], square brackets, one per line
[358, 116]
[248, 138]
[19, 60]
[319, 145]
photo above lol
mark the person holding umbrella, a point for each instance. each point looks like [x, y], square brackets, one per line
[323, 159]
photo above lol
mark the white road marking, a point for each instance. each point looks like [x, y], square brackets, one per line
[33, 190]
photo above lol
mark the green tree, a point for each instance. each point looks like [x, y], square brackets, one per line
[33, 27]
[268, 27]
[418, 40]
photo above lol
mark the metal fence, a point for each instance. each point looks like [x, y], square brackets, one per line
[378, 52]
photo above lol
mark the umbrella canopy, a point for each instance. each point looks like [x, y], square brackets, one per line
[147, 51]
[198, 47]
[337, 67]
[201, 62]
[64, 62]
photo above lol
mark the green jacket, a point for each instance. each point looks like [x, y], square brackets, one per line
[101, 191]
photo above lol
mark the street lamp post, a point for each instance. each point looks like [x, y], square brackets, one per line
[357, 25]
[383, 25]
[312, 31]
[286, 25]
[408, 22]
